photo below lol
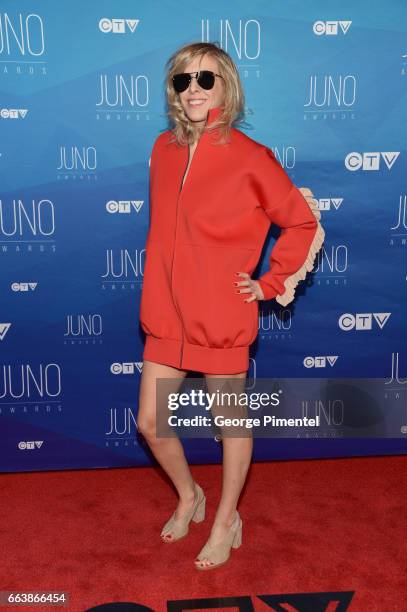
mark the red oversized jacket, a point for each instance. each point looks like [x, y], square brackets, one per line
[200, 235]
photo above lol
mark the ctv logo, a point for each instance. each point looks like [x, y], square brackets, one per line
[330, 28]
[118, 26]
[30, 444]
[13, 113]
[329, 203]
[126, 368]
[295, 602]
[4, 327]
[363, 321]
[321, 361]
[23, 286]
[370, 160]
[124, 206]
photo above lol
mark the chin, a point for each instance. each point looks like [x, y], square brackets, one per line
[197, 116]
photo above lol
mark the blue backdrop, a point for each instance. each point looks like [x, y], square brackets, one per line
[81, 103]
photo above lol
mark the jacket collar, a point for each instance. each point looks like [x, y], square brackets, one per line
[213, 114]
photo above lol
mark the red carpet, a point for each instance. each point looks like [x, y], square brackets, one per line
[335, 526]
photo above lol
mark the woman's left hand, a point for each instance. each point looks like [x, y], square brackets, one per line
[248, 285]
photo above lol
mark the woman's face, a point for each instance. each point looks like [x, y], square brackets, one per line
[205, 98]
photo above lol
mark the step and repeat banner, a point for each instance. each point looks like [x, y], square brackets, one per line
[81, 103]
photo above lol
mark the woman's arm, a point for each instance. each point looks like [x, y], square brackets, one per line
[301, 237]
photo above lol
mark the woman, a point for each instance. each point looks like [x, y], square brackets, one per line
[214, 192]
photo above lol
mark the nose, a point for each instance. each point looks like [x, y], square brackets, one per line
[193, 85]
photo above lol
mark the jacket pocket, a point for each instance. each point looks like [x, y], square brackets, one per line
[213, 314]
[158, 316]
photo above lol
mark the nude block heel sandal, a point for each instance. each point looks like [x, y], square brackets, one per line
[219, 554]
[179, 527]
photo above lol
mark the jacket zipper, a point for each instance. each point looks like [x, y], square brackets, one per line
[172, 263]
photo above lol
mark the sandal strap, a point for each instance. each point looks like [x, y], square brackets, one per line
[179, 527]
[221, 552]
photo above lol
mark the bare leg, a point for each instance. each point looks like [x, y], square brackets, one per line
[169, 452]
[237, 454]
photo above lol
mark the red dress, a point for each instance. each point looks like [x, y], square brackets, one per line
[200, 235]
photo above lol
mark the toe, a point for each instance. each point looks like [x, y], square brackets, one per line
[203, 562]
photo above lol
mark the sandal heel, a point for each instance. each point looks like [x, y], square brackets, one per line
[237, 540]
[199, 513]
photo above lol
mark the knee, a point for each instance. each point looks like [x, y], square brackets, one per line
[147, 428]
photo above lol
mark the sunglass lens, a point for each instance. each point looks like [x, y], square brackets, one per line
[180, 82]
[206, 79]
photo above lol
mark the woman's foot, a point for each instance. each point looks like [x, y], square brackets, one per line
[189, 508]
[223, 536]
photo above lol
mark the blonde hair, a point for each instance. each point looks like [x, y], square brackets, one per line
[233, 104]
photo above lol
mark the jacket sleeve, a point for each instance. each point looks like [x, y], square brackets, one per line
[301, 234]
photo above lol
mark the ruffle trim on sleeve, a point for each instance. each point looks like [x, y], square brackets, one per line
[291, 282]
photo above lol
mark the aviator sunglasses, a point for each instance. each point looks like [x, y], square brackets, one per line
[205, 78]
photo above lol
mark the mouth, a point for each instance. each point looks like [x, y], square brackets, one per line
[193, 102]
